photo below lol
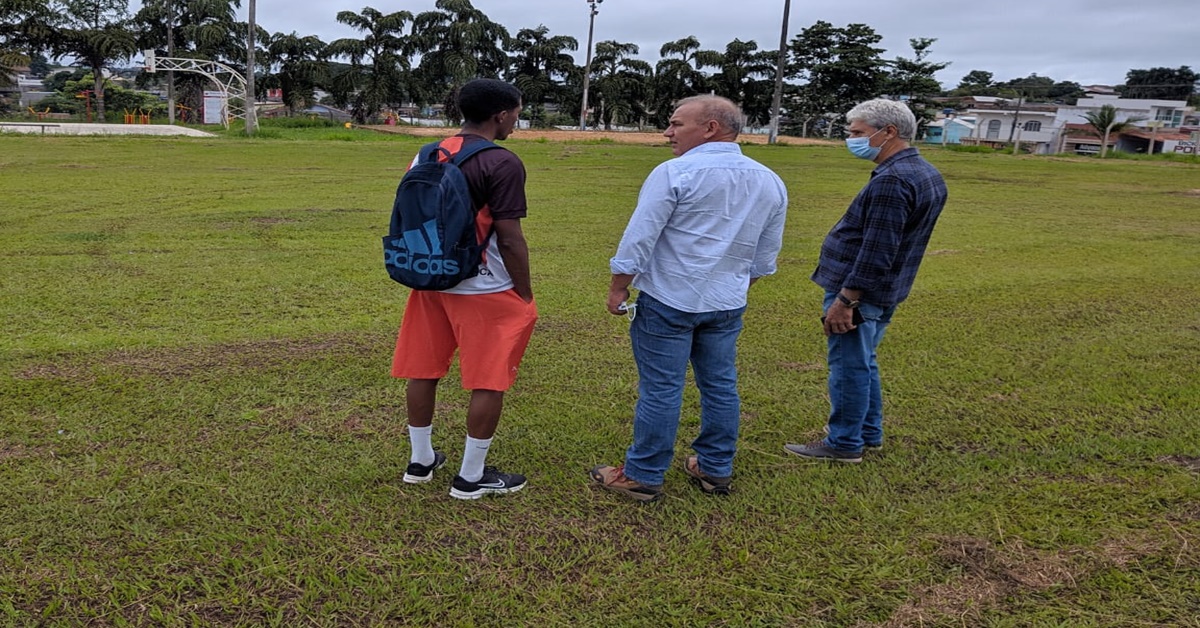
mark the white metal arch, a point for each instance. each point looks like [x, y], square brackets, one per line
[230, 81]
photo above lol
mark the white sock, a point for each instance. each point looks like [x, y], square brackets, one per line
[422, 444]
[474, 455]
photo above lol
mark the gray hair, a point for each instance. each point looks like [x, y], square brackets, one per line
[713, 107]
[881, 112]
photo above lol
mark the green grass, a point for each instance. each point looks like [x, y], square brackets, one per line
[197, 426]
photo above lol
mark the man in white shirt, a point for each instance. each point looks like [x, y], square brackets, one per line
[707, 225]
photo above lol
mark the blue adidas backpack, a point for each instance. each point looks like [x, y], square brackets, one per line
[431, 243]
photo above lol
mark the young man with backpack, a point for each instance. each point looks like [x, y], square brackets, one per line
[487, 317]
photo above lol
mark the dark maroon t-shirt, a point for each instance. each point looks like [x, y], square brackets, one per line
[497, 180]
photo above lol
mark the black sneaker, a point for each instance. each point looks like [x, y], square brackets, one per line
[422, 473]
[493, 481]
[818, 450]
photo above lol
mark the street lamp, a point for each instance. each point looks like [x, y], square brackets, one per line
[587, 69]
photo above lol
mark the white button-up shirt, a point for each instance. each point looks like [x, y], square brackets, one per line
[706, 223]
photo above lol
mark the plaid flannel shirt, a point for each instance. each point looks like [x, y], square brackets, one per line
[878, 244]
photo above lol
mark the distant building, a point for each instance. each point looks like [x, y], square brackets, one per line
[984, 102]
[1169, 112]
[1155, 125]
[1160, 121]
[1099, 90]
[1012, 120]
[949, 130]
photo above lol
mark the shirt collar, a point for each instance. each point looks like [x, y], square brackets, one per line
[907, 153]
[714, 147]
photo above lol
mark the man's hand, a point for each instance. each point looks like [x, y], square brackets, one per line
[618, 293]
[839, 319]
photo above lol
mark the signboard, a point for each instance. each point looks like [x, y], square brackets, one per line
[1186, 148]
[215, 107]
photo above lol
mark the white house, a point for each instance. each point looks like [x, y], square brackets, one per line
[1048, 129]
[1157, 125]
[1033, 125]
[1169, 112]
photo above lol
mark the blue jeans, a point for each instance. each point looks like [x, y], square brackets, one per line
[664, 341]
[855, 394]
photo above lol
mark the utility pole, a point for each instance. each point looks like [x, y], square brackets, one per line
[170, 53]
[251, 112]
[777, 99]
[1153, 124]
[1013, 130]
[587, 69]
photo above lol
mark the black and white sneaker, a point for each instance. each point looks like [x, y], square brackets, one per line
[422, 473]
[493, 481]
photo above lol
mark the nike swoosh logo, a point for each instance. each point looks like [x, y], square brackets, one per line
[492, 485]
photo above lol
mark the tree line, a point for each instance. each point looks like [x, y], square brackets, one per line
[402, 57]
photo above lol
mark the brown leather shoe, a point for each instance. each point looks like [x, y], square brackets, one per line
[613, 479]
[706, 482]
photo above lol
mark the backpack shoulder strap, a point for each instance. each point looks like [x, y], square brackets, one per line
[470, 150]
[429, 152]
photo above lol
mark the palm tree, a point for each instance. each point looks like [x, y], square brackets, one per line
[380, 72]
[684, 59]
[539, 63]
[301, 70]
[746, 77]
[457, 43]
[1104, 122]
[680, 74]
[10, 60]
[622, 82]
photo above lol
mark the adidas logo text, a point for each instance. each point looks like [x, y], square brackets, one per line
[420, 251]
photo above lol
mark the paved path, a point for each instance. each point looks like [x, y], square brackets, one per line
[76, 128]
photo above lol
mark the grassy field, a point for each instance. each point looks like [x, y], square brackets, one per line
[197, 426]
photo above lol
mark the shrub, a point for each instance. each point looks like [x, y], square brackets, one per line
[962, 148]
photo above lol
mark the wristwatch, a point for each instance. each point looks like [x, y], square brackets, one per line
[846, 301]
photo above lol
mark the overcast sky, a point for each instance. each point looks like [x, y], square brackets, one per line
[1086, 41]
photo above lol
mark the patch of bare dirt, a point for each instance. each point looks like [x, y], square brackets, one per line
[17, 451]
[188, 361]
[556, 135]
[1191, 463]
[991, 574]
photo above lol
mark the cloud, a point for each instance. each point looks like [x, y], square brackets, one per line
[1087, 41]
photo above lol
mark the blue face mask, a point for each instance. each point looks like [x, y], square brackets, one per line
[861, 147]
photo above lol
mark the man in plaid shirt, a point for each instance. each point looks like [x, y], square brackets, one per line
[867, 266]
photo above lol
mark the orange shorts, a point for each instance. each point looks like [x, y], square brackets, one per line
[490, 332]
